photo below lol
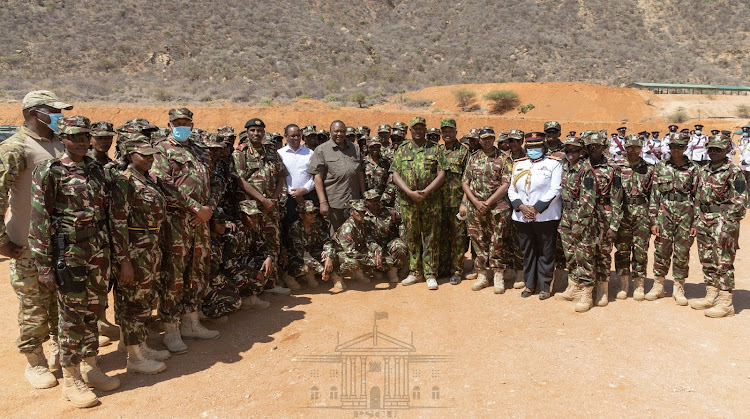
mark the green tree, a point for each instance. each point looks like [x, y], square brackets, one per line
[502, 100]
[465, 99]
[358, 98]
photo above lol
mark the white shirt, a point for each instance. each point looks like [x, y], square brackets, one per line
[653, 147]
[535, 183]
[296, 163]
[744, 149]
[617, 148]
[696, 149]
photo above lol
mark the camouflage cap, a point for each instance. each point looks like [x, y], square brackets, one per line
[595, 138]
[417, 120]
[516, 134]
[400, 126]
[211, 142]
[574, 141]
[433, 132]
[276, 136]
[309, 130]
[371, 194]
[267, 140]
[138, 121]
[324, 133]
[137, 143]
[718, 141]
[102, 129]
[219, 215]
[384, 128]
[307, 206]
[358, 205]
[681, 139]
[180, 113]
[74, 124]
[43, 97]
[249, 207]
[487, 132]
[448, 122]
[633, 140]
[350, 131]
[363, 130]
[226, 132]
[502, 136]
[375, 140]
[552, 126]
[398, 133]
[473, 134]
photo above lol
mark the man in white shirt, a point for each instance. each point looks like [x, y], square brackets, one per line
[300, 185]
[696, 149]
[617, 145]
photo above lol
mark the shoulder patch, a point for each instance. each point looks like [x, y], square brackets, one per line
[740, 186]
[588, 183]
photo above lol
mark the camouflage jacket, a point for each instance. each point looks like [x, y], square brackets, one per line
[608, 188]
[312, 242]
[241, 247]
[636, 185]
[578, 193]
[418, 166]
[91, 153]
[386, 153]
[720, 197]
[384, 226]
[354, 240]
[456, 159]
[260, 168]
[376, 175]
[185, 168]
[138, 210]
[673, 184]
[484, 174]
[66, 198]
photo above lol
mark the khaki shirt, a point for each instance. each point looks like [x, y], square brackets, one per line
[340, 170]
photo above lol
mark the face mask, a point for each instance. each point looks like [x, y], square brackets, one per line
[53, 117]
[534, 153]
[181, 134]
[697, 132]
[746, 134]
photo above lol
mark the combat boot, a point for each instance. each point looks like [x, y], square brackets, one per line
[153, 353]
[94, 377]
[585, 302]
[37, 373]
[310, 279]
[481, 282]
[712, 293]
[254, 302]
[54, 354]
[75, 390]
[108, 329]
[104, 341]
[140, 363]
[291, 282]
[519, 283]
[191, 328]
[338, 281]
[393, 274]
[638, 291]
[498, 281]
[602, 294]
[570, 293]
[723, 306]
[624, 286]
[379, 276]
[412, 279]
[360, 277]
[678, 292]
[172, 339]
[472, 275]
[657, 291]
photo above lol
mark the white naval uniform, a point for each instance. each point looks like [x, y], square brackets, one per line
[649, 148]
[696, 149]
[744, 149]
[537, 184]
[617, 148]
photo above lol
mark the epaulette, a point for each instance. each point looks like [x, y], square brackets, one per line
[521, 159]
[555, 158]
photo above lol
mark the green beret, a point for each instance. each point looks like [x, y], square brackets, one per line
[249, 207]
[74, 124]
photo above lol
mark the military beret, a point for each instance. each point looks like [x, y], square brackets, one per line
[433, 131]
[180, 113]
[574, 141]
[633, 140]
[43, 97]
[487, 132]
[307, 206]
[534, 138]
[448, 122]
[255, 122]
[371, 194]
[400, 126]
[358, 205]
[249, 207]
[417, 120]
[102, 129]
[718, 141]
[74, 124]
[552, 126]
[137, 143]
[350, 131]
[384, 128]
[516, 134]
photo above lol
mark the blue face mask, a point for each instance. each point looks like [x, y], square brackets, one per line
[53, 117]
[534, 153]
[746, 134]
[181, 134]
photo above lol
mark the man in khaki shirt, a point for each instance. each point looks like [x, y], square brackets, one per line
[34, 143]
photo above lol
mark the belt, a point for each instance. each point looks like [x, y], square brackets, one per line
[570, 205]
[677, 197]
[635, 200]
[82, 234]
[712, 208]
[151, 229]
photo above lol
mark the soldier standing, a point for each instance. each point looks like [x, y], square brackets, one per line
[719, 208]
[515, 271]
[68, 200]
[376, 167]
[384, 133]
[418, 170]
[634, 233]
[33, 143]
[671, 212]
[102, 134]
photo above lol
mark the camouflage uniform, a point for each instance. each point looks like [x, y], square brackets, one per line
[385, 230]
[306, 249]
[453, 239]
[418, 166]
[244, 254]
[511, 241]
[223, 296]
[376, 173]
[484, 174]
[68, 199]
[37, 305]
[183, 170]
[353, 246]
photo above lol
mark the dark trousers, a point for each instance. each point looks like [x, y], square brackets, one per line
[538, 241]
[337, 217]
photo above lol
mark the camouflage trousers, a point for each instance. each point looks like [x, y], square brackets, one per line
[453, 245]
[185, 266]
[421, 231]
[488, 233]
[717, 261]
[37, 305]
[245, 279]
[272, 237]
[395, 254]
[603, 253]
[584, 245]
[632, 242]
[511, 243]
[570, 239]
[299, 266]
[222, 297]
[673, 241]
[345, 264]
[80, 301]
[134, 302]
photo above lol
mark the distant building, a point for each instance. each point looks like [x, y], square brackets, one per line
[700, 89]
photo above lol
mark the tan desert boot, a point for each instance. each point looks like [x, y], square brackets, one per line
[723, 306]
[657, 291]
[255, 303]
[498, 281]
[95, 377]
[570, 293]
[624, 286]
[638, 291]
[481, 282]
[602, 294]
[75, 390]
[586, 301]
[141, 364]
[153, 353]
[678, 292]
[172, 339]
[37, 372]
[191, 328]
[712, 294]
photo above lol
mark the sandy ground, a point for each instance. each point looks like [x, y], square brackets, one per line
[508, 357]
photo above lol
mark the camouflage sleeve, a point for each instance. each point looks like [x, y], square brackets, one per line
[297, 248]
[345, 240]
[218, 187]
[161, 172]
[238, 161]
[616, 196]
[466, 177]
[12, 162]
[735, 206]
[586, 197]
[389, 194]
[122, 195]
[655, 200]
[442, 161]
[43, 193]
[329, 249]
[398, 158]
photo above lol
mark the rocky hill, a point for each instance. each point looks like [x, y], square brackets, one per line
[242, 51]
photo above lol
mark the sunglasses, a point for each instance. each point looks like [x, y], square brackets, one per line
[715, 150]
[678, 146]
[572, 150]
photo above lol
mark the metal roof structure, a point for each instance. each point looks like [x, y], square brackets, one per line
[671, 86]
